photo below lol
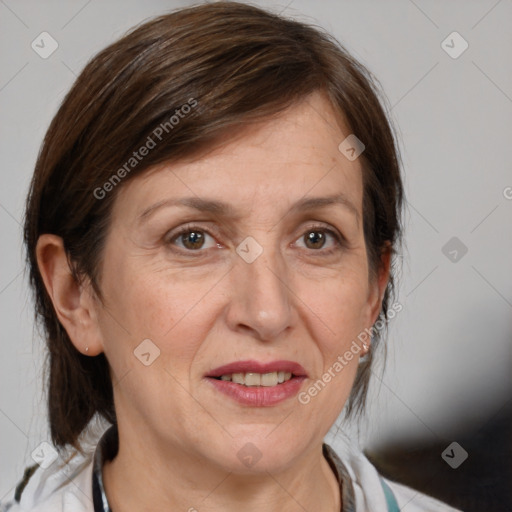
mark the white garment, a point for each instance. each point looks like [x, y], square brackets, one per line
[68, 488]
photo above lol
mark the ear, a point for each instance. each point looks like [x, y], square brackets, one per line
[378, 285]
[74, 303]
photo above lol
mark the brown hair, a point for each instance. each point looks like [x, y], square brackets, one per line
[232, 63]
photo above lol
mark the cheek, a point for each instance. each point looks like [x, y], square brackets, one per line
[337, 308]
[173, 312]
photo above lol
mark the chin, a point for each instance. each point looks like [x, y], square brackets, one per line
[261, 453]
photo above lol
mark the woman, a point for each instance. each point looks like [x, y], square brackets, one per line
[209, 230]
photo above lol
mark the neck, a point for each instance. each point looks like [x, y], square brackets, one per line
[141, 478]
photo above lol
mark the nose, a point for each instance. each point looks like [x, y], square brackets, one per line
[261, 297]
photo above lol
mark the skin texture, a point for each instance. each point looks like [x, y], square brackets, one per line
[204, 306]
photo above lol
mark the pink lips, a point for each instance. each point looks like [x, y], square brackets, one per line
[258, 396]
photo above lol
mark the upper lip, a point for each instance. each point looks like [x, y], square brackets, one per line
[250, 366]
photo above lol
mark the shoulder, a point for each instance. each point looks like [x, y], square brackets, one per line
[369, 487]
[63, 484]
[410, 500]
[62, 487]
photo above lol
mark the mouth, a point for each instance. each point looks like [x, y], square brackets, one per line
[258, 384]
[251, 379]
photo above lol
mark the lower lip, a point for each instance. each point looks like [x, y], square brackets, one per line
[261, 396]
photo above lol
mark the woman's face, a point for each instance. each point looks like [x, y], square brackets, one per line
[219, 261]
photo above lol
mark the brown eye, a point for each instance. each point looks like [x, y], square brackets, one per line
[315, 239]
[192, 239]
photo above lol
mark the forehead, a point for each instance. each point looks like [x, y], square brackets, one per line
[272, 164]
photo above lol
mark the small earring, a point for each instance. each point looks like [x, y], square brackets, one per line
[365, 346]
[87, 349]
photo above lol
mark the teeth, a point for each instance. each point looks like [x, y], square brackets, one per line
[238, 378]
[269, 379]
[252, 379]
[257, 379]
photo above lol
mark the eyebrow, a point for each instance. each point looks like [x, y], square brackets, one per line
[223, 209]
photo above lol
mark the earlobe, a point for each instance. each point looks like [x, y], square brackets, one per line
[73, 302]
[376, 295]
[380, 282]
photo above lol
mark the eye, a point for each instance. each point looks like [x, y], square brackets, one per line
[316, 238]
[192, 238]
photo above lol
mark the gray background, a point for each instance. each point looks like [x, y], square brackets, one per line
[450, 347]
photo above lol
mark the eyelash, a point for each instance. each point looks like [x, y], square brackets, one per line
[339, 239]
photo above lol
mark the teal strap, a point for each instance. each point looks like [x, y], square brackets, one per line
[390, 497]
